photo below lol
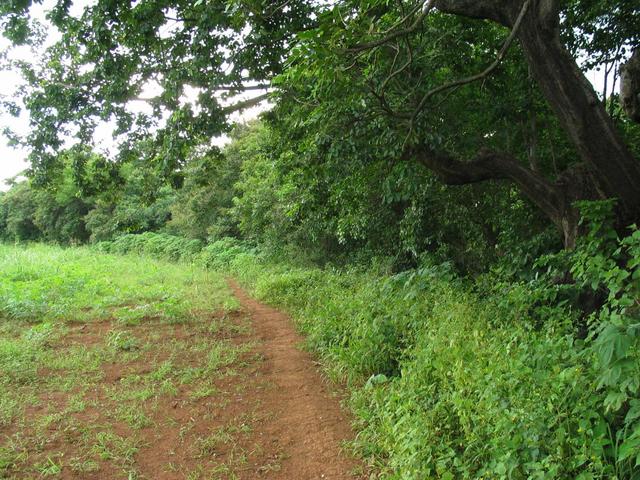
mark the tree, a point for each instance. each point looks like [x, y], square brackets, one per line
[630, 86]
[203, 206]
[353, 38]
[114, 49]
[17, 210]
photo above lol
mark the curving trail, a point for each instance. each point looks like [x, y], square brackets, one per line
[305, 423]
[226, 395]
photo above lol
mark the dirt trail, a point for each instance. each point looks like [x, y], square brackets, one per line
[225, 396]
[307, 422]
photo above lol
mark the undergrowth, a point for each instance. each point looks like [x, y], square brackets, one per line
[485, 379]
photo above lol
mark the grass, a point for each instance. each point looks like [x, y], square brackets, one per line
[447, 382]
[41, 284]
[100, 354]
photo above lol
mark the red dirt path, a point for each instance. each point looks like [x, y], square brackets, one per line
[307, 421]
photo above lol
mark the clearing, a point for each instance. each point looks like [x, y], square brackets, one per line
[129, 368]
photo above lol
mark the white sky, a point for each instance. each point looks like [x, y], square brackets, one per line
[13, 161]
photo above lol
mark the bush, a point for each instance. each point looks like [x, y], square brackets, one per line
[448, 383]
[221, 253]
[158, 245]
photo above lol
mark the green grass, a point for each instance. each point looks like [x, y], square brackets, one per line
[41, 284]
[97, 350]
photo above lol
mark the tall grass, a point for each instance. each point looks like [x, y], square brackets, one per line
[42, 283]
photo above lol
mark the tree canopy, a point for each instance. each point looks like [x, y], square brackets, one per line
[473, 91]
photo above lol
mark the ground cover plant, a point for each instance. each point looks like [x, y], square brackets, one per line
[452, 379]
[121, 367]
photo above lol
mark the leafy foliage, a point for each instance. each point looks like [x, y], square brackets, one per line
[453, 380]
[153, 244]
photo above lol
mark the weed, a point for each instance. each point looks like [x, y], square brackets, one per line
[202, 391]
[133, 416]
[83, 465]
[110, 446]
[120, 340]
[49, 468]
[209, 445]
[76, 404]
[11, 456]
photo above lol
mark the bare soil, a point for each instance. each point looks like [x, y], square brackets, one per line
[307, 425]
[270, 414]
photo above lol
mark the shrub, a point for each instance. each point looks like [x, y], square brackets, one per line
[221, 253]
[158, 245]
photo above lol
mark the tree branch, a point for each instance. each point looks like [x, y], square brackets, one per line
[404, 19]
[426, 8]
[473, 78]
[491, 165]
[242, 88]
[251, 102]
[397, 72]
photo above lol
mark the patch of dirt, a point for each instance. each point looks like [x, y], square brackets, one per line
[86, 334]
[307, 426]
[268, 415]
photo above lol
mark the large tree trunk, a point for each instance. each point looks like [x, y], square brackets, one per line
[610, 166]
[583, 116]
[630, 86]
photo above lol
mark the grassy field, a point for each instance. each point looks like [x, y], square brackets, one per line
[111, 366]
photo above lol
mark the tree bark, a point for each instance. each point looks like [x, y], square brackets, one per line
[582, 116]
[630, 86]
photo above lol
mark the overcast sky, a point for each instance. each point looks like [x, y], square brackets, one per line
[13, 161]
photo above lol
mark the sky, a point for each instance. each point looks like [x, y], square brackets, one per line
[13, 160]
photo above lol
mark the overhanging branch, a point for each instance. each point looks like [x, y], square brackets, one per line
[427, 7]
[251, 102]
[491, 165]
[241, 88]
[473, 78]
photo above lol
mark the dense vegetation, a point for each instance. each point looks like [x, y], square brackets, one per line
[450, 213]
[260, 190]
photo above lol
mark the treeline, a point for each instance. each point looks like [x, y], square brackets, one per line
[262, 189]
[87, 199]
